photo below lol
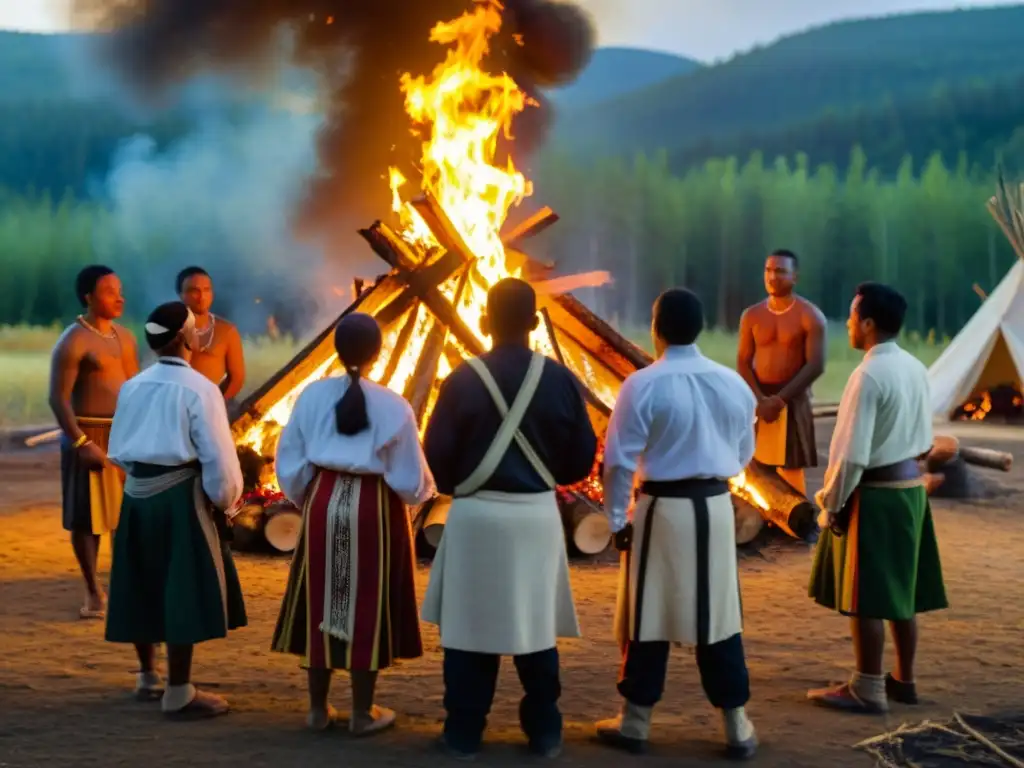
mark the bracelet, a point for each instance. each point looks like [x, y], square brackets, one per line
[80, 441]
[86, 442]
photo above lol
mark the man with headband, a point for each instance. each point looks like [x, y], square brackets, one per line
[507, 428]
[172, 580]
[350, 458]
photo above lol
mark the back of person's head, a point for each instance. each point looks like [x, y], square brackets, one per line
[357, 340]
[511, 309]
[166, 323]
[884, 305]
[185, 274]
[88, 277]
[678, 317]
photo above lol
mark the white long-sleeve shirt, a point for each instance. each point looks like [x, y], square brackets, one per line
[171, 415]
[389, 448]
[884, 418]
[682, 417]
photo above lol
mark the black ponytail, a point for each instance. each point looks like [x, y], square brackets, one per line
[357, 340]
[350, 413]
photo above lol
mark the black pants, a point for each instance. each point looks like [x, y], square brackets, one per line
[469, 682]
[723, 673]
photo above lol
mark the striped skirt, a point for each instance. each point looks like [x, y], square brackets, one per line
[351, 599]
[886, 565]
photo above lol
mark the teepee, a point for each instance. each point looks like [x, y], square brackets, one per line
[989, 351]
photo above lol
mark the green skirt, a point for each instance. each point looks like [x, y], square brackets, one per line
[886, 566]
[172, 579]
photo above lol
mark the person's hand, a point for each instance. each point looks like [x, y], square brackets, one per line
[92, 456]
[624, 538]
[769, 409]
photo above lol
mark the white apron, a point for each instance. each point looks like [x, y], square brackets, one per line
[680, 583]
[499, 583]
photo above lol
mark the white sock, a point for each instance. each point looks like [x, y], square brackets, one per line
[870, 688]
[178, 697]
[738, 727]
[144, 680]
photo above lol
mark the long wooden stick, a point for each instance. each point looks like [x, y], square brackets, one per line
[42, 438]
[986, 457]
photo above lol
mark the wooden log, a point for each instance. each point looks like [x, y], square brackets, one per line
[444, 230]
[41, 439]
[986, 457]
[395, 355]
[305, 362]
[825, 410]
[530, 227]
[282, 526]
[586, 527]
[436, 517]
[945, 448]
[749, 521]
[608, 335]
[784, 506]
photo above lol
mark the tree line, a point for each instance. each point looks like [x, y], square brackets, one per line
[925, 231]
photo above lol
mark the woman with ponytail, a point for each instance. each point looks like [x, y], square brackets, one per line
[350, 458]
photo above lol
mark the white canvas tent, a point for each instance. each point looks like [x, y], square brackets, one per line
[989, 351]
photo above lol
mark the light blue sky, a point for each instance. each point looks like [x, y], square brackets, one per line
[705, 29]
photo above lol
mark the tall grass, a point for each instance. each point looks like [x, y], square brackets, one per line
[25, 365]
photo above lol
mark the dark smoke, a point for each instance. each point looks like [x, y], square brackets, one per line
[357, 49]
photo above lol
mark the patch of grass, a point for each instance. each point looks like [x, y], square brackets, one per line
[25, 370]
[25, 365]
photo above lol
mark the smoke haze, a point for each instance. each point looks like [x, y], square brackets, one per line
[357, 51]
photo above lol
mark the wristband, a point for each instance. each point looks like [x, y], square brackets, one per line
[80, 441]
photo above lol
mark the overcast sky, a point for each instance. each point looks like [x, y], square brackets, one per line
[704, 29]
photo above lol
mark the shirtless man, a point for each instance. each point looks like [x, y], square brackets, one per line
[219, 355]
[781, 354]
[92, 359]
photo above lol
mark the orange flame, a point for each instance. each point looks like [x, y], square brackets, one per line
[461, 111]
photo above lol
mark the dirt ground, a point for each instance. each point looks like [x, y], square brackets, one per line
[65, 693]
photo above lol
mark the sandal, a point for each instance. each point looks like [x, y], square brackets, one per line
[381, 718]
[202, 707]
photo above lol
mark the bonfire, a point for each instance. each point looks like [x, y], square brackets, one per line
[447, 244]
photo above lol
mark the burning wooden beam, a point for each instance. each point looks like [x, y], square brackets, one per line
[529, 227]
[778, 502]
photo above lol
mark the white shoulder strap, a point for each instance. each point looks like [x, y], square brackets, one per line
[509, 429]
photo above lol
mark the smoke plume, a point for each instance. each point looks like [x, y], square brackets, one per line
[220, 197]
[357, 50]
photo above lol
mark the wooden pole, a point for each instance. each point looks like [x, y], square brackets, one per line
[985, 457]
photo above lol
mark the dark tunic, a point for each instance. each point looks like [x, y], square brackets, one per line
[465, 421]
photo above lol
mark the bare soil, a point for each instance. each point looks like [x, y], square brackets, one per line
[65, 693]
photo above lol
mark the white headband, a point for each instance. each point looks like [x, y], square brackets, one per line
[155, 329]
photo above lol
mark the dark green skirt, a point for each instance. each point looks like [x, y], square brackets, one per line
[886, 566]
[172, 579]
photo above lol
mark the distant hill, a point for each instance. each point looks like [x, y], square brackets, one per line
[839, 68]
[614, 72]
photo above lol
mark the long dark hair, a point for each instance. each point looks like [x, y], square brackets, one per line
[357, 340]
